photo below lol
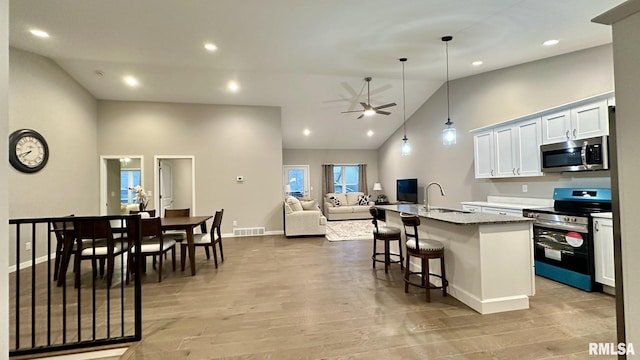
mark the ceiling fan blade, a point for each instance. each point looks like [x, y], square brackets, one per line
[366, 106]
[351, 111]
[383, 112]
[360, 117]
[384, 106]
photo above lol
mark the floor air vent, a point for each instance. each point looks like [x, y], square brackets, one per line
[252, 231]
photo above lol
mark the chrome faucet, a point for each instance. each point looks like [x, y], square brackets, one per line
[426, 194]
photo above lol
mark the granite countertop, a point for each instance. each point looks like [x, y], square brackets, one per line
[503, 205]
[605, 215]
[456, 217]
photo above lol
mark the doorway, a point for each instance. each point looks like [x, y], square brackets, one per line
[117, 175]
[297, 177]
[174, 183]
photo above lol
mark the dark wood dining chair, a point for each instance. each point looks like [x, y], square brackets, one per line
[95, 241]
[153, 243]
[63, 231]
[176, 235]
[152, 212]
[206, 240]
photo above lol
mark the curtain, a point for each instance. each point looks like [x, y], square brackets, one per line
[327, 179]
[362, 178]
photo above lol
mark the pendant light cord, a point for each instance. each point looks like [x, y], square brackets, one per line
[446, 43]
[404, 102]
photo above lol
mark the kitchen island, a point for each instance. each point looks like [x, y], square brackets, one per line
[488, 257]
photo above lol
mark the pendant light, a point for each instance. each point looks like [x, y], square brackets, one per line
[405, 149]
[449, 133]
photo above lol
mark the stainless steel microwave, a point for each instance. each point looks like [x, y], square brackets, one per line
[576, 155]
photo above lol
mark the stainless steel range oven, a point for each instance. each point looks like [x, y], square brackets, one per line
[563, 238]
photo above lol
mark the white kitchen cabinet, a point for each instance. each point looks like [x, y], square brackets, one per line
[472, 208]
[509, 151]
[603, 251]
[555, 127]
[528, 137]
[501, 211]
[492, 209]
[484, 154]
[577, 122]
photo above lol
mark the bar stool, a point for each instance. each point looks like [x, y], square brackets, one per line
[424, 249]
[386, 234]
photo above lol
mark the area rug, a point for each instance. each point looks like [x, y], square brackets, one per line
[341, 230]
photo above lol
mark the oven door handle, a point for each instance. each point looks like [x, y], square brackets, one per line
[563, 226]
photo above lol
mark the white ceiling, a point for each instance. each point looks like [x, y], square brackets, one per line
[308, 57]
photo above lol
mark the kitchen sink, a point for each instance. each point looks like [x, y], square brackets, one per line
[444, 210]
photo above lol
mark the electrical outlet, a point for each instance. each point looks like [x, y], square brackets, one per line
[235, 223]
[27, 246]
[525, 188]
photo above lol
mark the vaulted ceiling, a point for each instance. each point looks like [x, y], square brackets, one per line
[308, 57]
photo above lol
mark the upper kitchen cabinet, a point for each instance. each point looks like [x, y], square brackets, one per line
[484, 157]
[508, 151]
[512, 148]
[577, 122]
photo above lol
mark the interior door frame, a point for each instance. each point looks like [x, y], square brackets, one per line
[103, 177]
[156, 178]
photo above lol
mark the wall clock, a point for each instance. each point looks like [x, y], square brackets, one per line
[28, 150]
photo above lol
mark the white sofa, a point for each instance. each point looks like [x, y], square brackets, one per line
[303, 217]
[348, 208]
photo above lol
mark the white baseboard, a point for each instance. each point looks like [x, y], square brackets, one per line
[27, 264]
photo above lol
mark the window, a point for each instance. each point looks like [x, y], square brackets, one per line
[128, 178]
[345, 178]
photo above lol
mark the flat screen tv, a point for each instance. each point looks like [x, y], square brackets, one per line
[407, 190]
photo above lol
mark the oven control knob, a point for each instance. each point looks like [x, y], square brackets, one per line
[566, 219]
[574, 219]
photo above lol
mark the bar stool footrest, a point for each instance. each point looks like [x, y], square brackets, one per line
[428, 286]
[375, 258]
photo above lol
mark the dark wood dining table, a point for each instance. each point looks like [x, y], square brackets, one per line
[186, 224]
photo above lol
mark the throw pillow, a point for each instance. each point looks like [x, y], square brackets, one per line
[287, 208]
[364, 199]
[308, 204]
[335, 201]
[294, 203]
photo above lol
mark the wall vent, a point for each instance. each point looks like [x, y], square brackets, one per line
[251, 231]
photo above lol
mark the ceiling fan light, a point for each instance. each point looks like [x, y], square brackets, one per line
[369, 112]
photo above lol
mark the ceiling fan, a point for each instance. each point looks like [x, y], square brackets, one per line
[369, 110]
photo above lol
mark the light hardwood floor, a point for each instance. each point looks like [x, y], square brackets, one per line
[308, 298]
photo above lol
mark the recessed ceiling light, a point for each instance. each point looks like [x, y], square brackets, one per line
[131, 81]
[370, 133]
[39, 33]
[233, 86]
[306, 132]
[477, 63]
[551, 42]
[210, 46]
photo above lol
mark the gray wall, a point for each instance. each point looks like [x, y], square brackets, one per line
[486, 99]
[113, 187]
[43, 97]
[226, 141]
[316, 158]
[4, 183]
